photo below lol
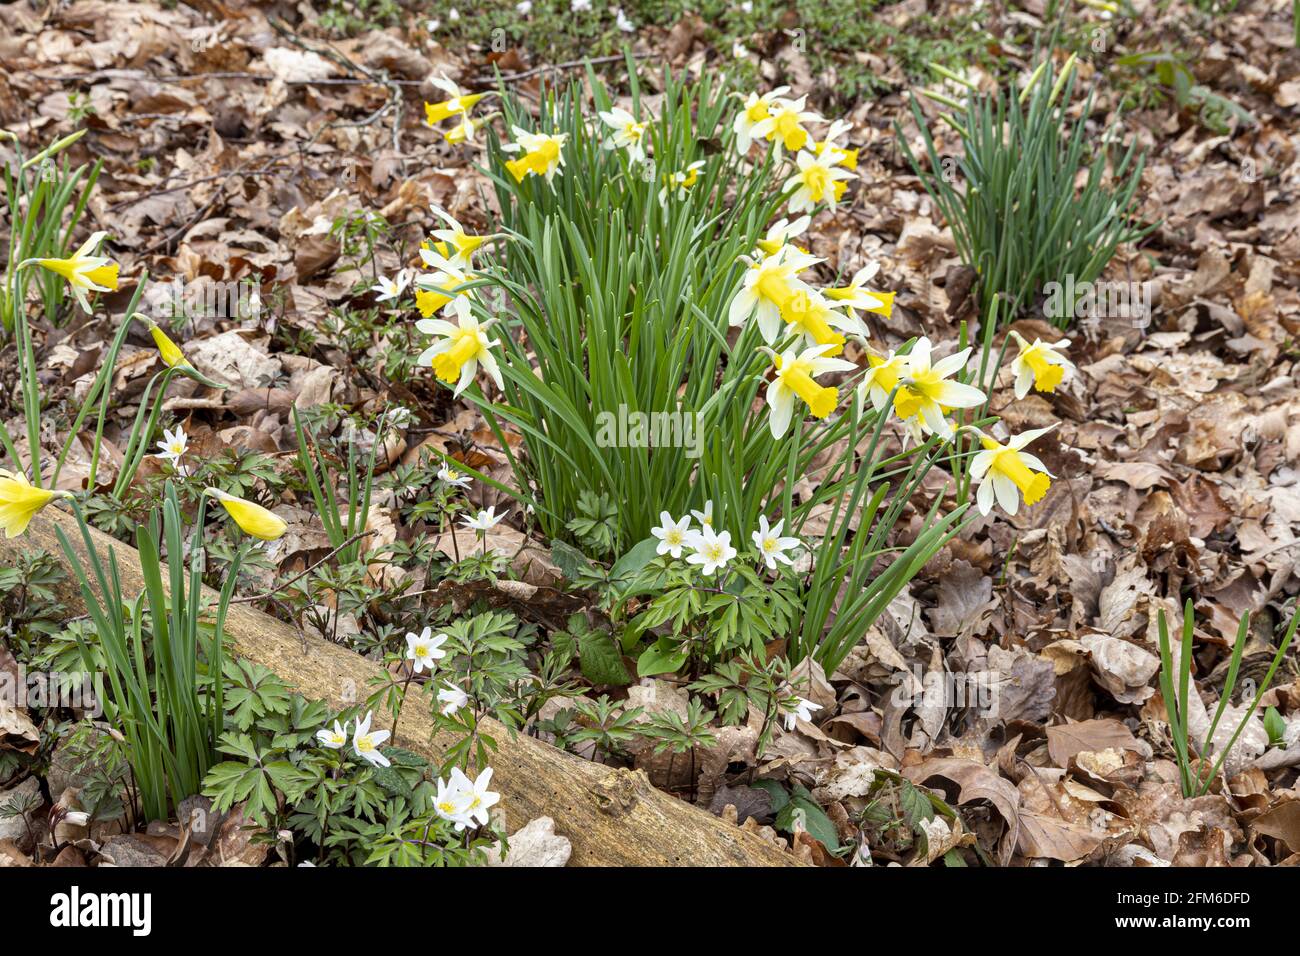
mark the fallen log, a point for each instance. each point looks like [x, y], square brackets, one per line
[612, 816]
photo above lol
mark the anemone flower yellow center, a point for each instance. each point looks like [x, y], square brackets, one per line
[252, 518]
[797, 376]
[20, 500]
[1032, 484]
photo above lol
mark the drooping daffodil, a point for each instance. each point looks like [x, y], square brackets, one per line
[796, 380]
[20, 500]
[542, 154]
[1007, 472]
[629, 134]
[251, 517]
[1042, 365]
[461, 348]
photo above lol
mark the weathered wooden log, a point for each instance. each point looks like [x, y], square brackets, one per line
[612, 816]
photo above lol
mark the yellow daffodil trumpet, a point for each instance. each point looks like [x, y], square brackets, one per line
[83, 271]
[20, 500]
[252, 518]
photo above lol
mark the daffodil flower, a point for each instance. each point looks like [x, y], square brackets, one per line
[712, 551]
[84, 272]
[173, 445]
[452, 477]
[628, 133]
[334, 739]
[365, 744]
[425, 649]
[389, 290]
[925, 392]
[542, 154]
[796, 379]
[252, 518]
[848, 158]
[1006, 472]
[672, 535]
[454, 244]
[780, 233]
[462, 132]
[810, 315]
[771, 546]
[168, 350]
[784, 124]
[767, 288]
[857, 296]
[458, 103]
[452, 699]
[815, 182]
[803, 710]
[20, 500]
[884, 372]
[440, 290]
[462, 348]
[1040, 365]
[677, 185]
[756, 109]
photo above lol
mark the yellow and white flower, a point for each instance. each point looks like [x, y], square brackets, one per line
[857, 296]
[335, 738]
[757, 108]
[543, 154]
[1040, 365]
[796, 379]
[365, 744]
[451, 802]
[809, 314]
[629, 134]
[802, 710]
[817, 181]
[478, 799]
[173, 445]
[389, 290]
[784, 124]
[848, 158]
[711, 551]
[884, 372]
[462, 348]
[20, 500]
[926, 393]
[678, 184]
[84, 272]
[705, 517]
[441, 289]
[452, 477]
[458, 103]
[425, 649]
[672, 535]
[767, 287]
[771, 546]
[1006, 472]
[780, 233]
[454, 245]
[252, 518]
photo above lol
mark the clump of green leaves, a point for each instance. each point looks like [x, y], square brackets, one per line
[1019, 217]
